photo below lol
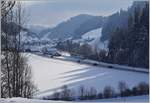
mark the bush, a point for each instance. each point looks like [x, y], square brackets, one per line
[108, 92]
[135, 91]
[127, 92]
[100, 96]
[124, 91]
[56, 96]
[143, 88]
[92, 93]
[65, 93]
[82, 92]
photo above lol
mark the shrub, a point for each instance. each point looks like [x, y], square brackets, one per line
[56, 96]
[108, 92]
[124, 90]
[143, 88]
[100, 96]
[65, 93]
[92, 93]
[82, 92]
[135, 91]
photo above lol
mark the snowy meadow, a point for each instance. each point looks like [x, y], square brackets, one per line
[56, 73]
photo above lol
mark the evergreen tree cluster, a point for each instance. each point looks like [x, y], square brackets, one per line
[131, 46]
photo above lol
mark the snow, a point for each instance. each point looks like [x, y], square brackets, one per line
[65, 53]
[67, 57]
[93, 34]
[97, 43]
[28, 38]
[93, 38]
[143, 98]
[45, 37]
[24, 100]
[50, 74]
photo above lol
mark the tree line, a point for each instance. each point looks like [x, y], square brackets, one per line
[83, 93]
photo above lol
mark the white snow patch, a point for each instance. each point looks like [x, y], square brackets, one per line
[93, 38]
[93, 34]
[97, 43]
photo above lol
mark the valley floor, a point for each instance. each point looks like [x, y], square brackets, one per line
[51, 74]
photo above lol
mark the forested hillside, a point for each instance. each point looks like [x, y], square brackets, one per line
[130, 45]
[120, 19]
[127, 34]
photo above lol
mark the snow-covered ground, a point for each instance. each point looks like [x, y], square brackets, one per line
[95, 35]
[50, 74]
[67, 57]
[124, 99]
[28, 38]
[93, 38]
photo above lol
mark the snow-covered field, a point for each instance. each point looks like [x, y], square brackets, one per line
[124, 99]
[51, 74]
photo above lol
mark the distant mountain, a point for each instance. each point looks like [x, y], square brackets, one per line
[94, 23]
[36, 28]
[44, 33]
[75, 27]
[31, 33]
[72, 28]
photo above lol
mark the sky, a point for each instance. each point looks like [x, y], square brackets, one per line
[51, 12]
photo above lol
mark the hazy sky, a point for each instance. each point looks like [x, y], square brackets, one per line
[51, 12]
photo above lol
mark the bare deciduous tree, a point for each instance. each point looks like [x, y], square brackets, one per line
[108, 92]
[122, 86]
[16, 73]
[82, 92]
